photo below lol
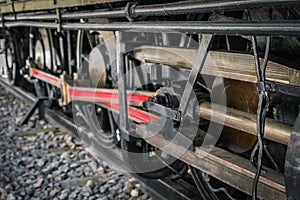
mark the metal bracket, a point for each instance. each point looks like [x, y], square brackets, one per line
[261, 86]
[13, 9]
[292, 164]
[129, 10]
[198, 65]
[3, 21]
[39, 104]
[122, 86]
[58, 20]
[167, 112]
[282, 88]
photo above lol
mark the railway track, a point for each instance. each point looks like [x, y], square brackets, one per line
[158, 189]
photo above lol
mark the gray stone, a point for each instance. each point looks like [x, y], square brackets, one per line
[127, 188]
[74, 165]
[111, 181]
[91, 198]
[38, 183]
[122, 196]
[72, 195]
[145, 197]
[85, 193]
[102, 189]
[65, 155]
[40, 162]
[100, 170]
[63, 195]
[30, 191]
[90, 183]
[93, 165]
[114, 189]
[134, 193]
[54, 192]
[10, 197]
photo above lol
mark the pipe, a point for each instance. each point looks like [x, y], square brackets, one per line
[176, 8]
[206, 7]
[242, 28]
[245, 122]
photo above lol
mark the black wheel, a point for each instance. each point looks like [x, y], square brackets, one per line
[11, 59]
[149, 162]
[93, 63]
[41, 49]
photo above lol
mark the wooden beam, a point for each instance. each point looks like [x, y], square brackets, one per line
[35, 5]
[232, 65]
[225, 166]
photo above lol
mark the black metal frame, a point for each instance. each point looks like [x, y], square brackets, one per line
[282, 88]
[132, 10]
[286, 28]
[292, 163]
[38, 105]
[122, 86]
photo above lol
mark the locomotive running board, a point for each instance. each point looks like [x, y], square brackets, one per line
[232, 65]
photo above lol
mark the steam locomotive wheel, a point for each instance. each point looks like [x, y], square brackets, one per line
[149, 162]
[44, 54]
[41, 50]
[11, 60]
[93, 62]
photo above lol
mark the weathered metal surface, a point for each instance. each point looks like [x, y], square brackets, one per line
[241, 96]
[246, 122]
[230, 65]
[227, 167]
[174, 8]
[292, 164]
[278, 28]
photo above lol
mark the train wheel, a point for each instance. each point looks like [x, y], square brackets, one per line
[148, 162]
[41, 49]
[93, 63]
[43, 52]
[11, 59]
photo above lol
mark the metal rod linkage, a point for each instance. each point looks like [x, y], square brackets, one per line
[245, 122]
[231, 28]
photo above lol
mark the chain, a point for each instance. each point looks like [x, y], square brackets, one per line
[263, 107]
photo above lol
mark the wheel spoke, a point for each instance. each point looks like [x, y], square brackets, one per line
[85, 57]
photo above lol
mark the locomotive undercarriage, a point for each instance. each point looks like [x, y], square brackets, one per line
[139, 89]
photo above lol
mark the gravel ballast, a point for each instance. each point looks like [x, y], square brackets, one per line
[49, 164]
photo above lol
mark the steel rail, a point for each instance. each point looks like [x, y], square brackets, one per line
[182, 7]
[286, 28]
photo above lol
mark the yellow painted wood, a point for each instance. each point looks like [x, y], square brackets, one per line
[34, 5]
[232, 65]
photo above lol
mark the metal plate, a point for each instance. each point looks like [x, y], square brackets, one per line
[292, 164]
